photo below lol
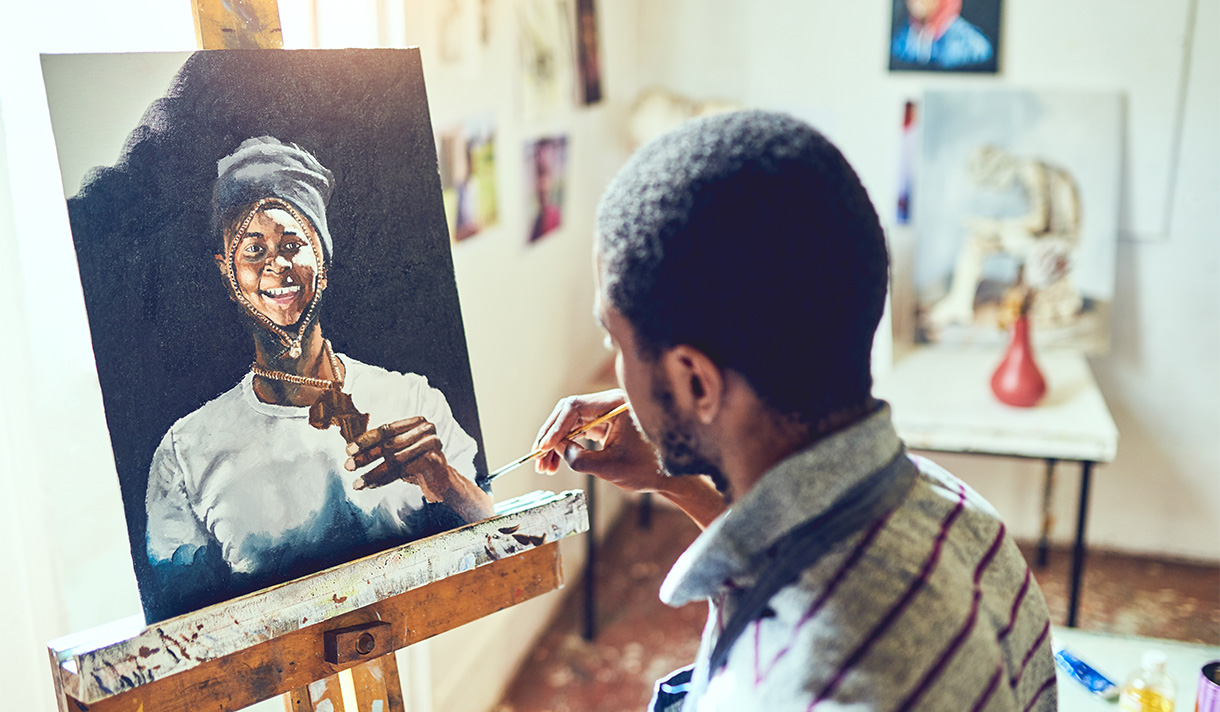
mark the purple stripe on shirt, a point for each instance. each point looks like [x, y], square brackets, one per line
[1016, 678]
[1016, 607]
[848, 565]
[939, 666]
[1045, 686]
[989, 690]
[897, 609]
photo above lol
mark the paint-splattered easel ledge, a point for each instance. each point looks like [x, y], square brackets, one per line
[238, 652]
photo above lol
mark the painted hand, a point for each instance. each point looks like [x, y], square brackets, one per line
[409, 450]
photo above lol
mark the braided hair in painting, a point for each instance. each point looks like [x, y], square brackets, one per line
[748, 236]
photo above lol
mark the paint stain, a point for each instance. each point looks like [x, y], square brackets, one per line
[530, 539]
[145, 651]
[510, 530]
[337, 599]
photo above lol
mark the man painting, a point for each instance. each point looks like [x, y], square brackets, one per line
[741, 274]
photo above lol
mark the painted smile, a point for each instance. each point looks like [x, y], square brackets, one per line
[281, 295]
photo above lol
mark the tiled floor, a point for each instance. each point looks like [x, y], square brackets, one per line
[640, 639]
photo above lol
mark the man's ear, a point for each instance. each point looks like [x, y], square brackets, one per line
[696, 382]
[220, 264]
[322, 281]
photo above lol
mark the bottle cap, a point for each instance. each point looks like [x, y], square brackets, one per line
[1154, 660]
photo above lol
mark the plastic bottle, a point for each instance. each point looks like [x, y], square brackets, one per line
[1149, 689]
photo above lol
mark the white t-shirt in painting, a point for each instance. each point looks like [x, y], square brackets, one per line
[255, 486]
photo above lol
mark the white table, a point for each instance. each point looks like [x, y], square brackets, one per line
[942, 401]
[1116, 656]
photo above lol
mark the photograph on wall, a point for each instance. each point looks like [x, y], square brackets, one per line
[546, 67]
[588, 52]
[546, 172]
[945, 36]
[467, 155]
[269, 285]
[1017, 191]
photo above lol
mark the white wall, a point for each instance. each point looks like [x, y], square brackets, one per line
[826, 61]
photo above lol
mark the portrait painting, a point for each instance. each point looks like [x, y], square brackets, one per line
[262, 247]
[1017, 193]
[945, 36]
[467, 154]
[546, 173]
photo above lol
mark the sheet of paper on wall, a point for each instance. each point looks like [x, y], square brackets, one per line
[271, 299]
[467, 154]
[1017, 190]
[548, 84]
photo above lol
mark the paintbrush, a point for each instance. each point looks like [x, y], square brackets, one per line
[578, 431]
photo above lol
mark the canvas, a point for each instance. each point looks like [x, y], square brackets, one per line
[1017, 190]
[275, 215]
[945, 36]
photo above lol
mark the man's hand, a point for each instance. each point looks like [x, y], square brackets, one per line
[625, 459]
[410, 450]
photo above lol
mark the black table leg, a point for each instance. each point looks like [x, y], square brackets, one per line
[590, 627]
[1048, 518]
[645, 518]
[1086, 469]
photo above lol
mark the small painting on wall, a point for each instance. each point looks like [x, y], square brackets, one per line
[468, 176]
[546, 168]
[945, 35]
[271, 299]
[588, 52]
[1017, 191]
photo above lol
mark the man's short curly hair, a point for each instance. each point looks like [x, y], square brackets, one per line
[749, 237]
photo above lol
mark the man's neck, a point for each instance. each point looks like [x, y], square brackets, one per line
[764, 438]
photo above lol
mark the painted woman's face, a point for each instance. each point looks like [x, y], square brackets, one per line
[276, 266]
[922, 9]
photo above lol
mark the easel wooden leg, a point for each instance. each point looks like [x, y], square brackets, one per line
[377, 685]
[313, 696]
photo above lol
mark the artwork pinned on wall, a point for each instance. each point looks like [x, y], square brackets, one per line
[1017, 189]
[546, 171]
[945, 35]
[546, 57]
[459, 29]
[468, 176]
[588, 52]
[273, 311]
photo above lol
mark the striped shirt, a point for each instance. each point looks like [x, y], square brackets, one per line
[930, 608]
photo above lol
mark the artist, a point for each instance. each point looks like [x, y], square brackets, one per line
[741, 274]
[259, 486]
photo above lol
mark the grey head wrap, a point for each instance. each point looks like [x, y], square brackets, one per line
[265, 167]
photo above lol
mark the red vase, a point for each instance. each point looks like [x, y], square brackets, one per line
[1017, 381]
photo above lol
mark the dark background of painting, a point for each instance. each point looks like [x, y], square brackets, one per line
[165, 335]
[983, 14]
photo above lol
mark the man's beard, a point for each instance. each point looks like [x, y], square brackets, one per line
[678, 448]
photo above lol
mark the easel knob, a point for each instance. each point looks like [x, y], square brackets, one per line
[358, 642]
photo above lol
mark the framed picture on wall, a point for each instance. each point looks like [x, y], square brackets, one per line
[945, 36]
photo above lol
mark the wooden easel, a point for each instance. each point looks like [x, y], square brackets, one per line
[294, 639]
[297, 637]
